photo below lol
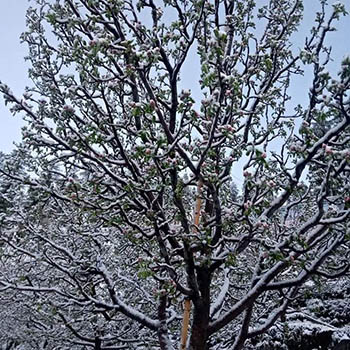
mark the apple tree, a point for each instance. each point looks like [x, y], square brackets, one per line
[139, 114]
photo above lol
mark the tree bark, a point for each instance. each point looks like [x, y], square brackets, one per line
[199, 332]
[97, 343]
[163, 336]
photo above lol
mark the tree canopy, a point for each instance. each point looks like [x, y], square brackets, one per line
[119, 203]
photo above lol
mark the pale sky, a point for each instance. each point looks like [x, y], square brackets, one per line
[13, 68]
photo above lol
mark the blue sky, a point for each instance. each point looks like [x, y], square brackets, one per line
[13, 68]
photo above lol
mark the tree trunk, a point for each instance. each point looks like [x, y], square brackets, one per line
[163, 336]
[199, 331]
[97, 343]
